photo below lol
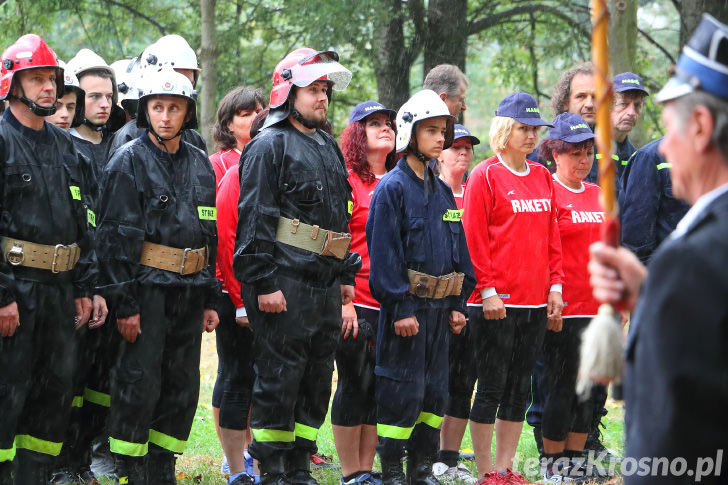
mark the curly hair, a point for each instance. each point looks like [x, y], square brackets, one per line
[548, 146]
[562, 91]
[354, 148]
[239, 99]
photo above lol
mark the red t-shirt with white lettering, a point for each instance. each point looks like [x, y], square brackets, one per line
[580, 218]
[513, 237]
[362, 196]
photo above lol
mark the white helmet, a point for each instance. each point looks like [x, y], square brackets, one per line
[421, 106]
[127, 76]
[166, 82]
[85, 60]
[70, 82]
[173, 51]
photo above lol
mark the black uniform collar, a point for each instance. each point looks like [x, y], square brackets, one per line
[181, 153]
[37, 136]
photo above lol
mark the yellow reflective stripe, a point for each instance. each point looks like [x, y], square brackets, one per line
[97, 397]
[599, 156]
[123, 480]
[394, 432]
[77, 402]
[166, 441]
[432, 420]
[269, 435]
[306, 432]
[625, 163]
[207, 213]
[75, 192]
[351, 207]
[660, 166]
[91, 216]
[27, 442]
[614, 157]
[453, 215]
[7, 454]
[127, 448]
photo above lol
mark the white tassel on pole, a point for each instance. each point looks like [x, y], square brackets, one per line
[601, 351]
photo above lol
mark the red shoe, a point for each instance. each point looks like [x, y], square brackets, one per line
[491, 478]
[514, 478]
[319, 460]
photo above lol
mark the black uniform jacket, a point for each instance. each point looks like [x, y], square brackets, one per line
[42, 201]
[150, 195]
[676, 387]
[130, 132]
[286, 173]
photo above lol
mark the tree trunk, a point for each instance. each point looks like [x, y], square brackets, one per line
[622, 35]
[208, 76]
[446, 39]
[391, 63]
[691, 12]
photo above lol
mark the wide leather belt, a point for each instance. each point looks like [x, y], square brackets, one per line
[312, 238]
[182, 261]
[57, 259]
[424, 285]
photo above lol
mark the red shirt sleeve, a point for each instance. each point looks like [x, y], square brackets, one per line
[227, 221]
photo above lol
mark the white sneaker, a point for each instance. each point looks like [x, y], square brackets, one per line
[459, 473]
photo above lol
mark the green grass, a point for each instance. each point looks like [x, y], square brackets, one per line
[200, 463]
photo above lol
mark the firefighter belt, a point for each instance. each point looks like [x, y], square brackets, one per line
[312, 238]
[424, 285]
[182, 261]
[56, 258]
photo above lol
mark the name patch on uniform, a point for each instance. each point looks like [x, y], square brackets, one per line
[531, 205]
[453, 215]
[91, 216]
[586, 216]
[351, 207]
[75, 192]
[207, 213]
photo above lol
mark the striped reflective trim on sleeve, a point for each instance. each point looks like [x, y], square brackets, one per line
[96, 397]
[394, 432]
[272, 435]
[77, 402]
[432, 420]
[305, 432]
[121, 447]
[167, 442]
[660, 166]
[7, 454]
[27, 442]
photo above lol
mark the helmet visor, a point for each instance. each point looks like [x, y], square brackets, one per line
[322, 66]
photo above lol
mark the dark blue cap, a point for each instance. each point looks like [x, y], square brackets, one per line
[521, 107]
[703, 64]
[571, 128]
[362, 110]
[462, 132]
[628, 81]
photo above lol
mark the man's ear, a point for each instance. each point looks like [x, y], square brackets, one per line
[443, 96]
[700, 128]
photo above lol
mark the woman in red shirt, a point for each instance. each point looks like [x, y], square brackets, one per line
[368, 147]
[565, 420]
[510, 225]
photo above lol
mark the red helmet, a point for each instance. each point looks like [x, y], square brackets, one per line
[28, 52]
[304, 66]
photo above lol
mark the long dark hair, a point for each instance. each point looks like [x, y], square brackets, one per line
[354, 147]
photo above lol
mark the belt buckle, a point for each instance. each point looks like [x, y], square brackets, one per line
[184, 259]
[15, 255]
[421, 289]
[55, 257]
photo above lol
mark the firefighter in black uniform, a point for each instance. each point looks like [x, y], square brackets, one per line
[46, 268]
[292, 255]
[157, 238]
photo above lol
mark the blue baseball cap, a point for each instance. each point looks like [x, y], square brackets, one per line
[362, 110]
[571, 128]
[628, 81]
[521, 107]
[703, 64]
[462, 132]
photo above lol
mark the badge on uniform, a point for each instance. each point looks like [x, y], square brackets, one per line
[207, 213]
[453, 215]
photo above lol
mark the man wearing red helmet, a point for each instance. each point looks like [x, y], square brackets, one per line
[46, 269]
[292, 255]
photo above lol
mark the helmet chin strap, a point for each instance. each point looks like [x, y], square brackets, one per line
[93, 126]
[296, 115]
[34, 107]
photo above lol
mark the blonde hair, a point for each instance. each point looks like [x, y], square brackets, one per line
[500, 131]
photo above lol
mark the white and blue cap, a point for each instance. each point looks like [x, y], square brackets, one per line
[461, 132]
[571, 128]
[362, 110]
[703, 64]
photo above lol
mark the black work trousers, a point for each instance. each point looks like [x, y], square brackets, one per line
[294, 361]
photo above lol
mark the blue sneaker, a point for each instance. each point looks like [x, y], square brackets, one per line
[249, 468]
[224, 467]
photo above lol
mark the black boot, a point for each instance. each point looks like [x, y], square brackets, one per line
[419, 470]
[31, 467]
[161, 466]
[299, 467]
[392, 471]
[273, 469]
[6, 473]
[130, 470]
